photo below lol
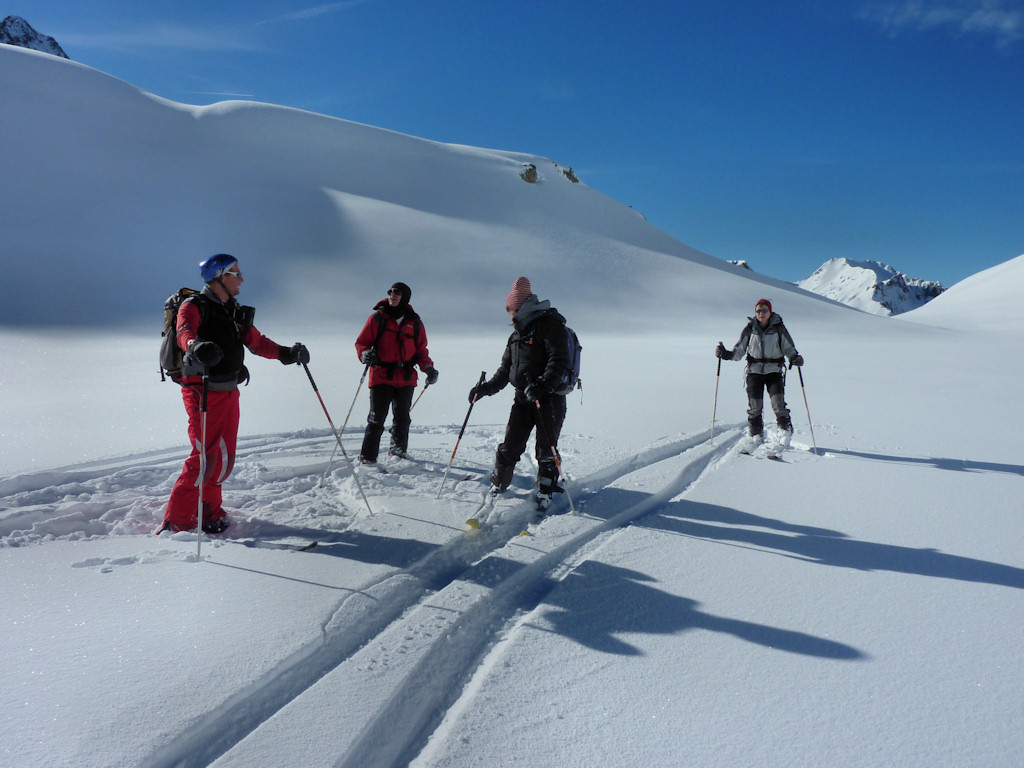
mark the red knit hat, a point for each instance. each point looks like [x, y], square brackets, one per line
[765, 302]
[518, 295]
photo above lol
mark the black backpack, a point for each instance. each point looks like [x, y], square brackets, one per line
[571, 378]
[170, 352]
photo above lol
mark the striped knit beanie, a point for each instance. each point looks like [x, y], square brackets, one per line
[518, 295]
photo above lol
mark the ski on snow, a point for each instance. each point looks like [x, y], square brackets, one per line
[772, 453]
[486, 508]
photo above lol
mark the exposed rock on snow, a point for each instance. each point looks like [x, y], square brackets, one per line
[870, 286]
[14, 30]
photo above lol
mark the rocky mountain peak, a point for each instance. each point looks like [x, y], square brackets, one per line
[14, 30]
[870, 286]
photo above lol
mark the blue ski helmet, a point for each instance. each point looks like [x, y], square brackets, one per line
[214, 267]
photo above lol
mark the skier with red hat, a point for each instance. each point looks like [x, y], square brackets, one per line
[535, 359]
[765, 344]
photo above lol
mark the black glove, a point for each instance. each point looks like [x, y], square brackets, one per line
[537, 390]
[480, 390]
[296, 353]
[431, 376]
[370, 357]
[203, 354]
[797, 360]
[721, 352]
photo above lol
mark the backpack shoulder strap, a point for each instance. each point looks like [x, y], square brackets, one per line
[382, 323]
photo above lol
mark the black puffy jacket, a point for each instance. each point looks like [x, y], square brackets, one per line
[537, 350]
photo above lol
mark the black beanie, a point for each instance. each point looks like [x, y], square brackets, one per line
[405, 290]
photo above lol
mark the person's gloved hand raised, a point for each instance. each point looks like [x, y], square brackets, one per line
[296, 353]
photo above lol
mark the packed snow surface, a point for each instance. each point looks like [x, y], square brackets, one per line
[857, 604]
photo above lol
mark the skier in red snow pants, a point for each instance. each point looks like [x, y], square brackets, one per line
[213, 331]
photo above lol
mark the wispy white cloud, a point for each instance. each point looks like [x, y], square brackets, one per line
[164, 37]
[314, 11]
[1002, 20]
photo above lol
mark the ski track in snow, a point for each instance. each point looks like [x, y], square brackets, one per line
[126, 497]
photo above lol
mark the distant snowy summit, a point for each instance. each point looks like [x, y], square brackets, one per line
[870, 286]
[14, 30]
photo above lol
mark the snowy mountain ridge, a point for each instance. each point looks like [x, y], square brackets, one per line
[870, 286]
[14, 30]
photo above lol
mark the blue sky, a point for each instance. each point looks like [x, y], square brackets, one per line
[783, 133]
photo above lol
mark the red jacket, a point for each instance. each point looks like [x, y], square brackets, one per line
[399, 347]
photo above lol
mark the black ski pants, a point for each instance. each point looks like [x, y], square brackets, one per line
[775, 383]
[522, 420]
[385, 397]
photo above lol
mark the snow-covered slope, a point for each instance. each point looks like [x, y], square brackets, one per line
[870, 286]
[704, 608]
[14, 30]
[988, 301]
[135, 181]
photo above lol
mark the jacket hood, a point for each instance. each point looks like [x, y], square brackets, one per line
[773, 319]
[402, 310]
[532, 309]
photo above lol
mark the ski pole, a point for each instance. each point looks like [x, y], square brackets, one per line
[800, 370]
[337, 437]
[714, 411]
[334, 452]
[483, 375]
[418, 397]
[554, 453]
[202, 469]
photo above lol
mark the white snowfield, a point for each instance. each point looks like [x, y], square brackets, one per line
[857, 604]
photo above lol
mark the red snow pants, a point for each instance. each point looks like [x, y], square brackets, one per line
[221, 438]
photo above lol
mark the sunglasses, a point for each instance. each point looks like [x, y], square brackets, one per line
[762, 311]
[392, 292]
[237, 274]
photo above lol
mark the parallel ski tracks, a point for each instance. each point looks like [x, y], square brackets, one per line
[397, 732]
